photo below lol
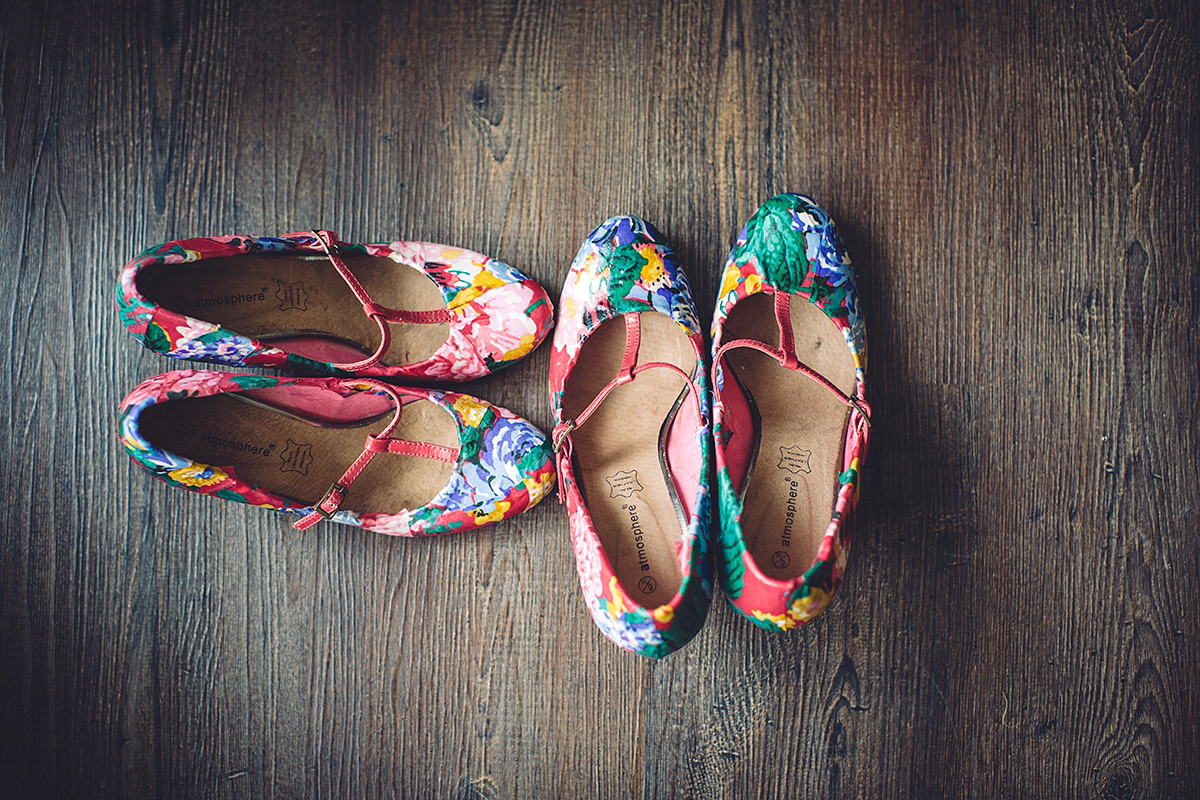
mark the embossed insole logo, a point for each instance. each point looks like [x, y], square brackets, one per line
[296, 457]
[794, 460]
[292, 296]
[623, 484]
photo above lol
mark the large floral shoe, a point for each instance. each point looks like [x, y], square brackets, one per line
[310, 303]
[402, 461]
[629, 391]
[790, 422]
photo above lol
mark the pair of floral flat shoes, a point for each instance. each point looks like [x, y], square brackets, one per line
[634, 438]
[346, 447]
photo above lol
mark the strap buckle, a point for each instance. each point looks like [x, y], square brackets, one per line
[561, 432]
[864, 411]
[333, 247]
[320, 507]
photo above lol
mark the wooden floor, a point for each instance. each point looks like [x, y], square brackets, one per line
[1018, 186]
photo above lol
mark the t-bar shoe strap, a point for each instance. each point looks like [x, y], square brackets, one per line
[328, 242]
[379, 443]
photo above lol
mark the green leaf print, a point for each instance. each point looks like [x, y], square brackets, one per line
[689, 617]
[472, 438]
[213, 337]
[161, 251]
[534, 458]
[732, 546]
[301, 364]
[625, 267]
[229, 494]
[780, 249]
[156, 339]
[255, 381]
[819, 576]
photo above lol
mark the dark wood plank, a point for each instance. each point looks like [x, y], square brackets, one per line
[1018, 186]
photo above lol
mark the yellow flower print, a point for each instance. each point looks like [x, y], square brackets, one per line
[197, 475]
[729, 281]
[854, 467]
[733, 274]
[497, 514]
[523, 347]
[487, 280]
[653, 273]
[782, 621]
[480, 283]
[664, 614]
[617, 605]
[133, 441]
[538, 486]
[471, 410]
[805, 608]
[587, 269]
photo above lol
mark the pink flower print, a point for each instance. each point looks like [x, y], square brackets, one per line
[150, 389]
[457, 359]
[235, 347]
[499, 327]
[193, 329]
[391, 524]
[157, 388]
[198, 381]
[587, 554]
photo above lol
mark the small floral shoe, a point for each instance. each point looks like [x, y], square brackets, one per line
[790, 421]
[310, 303]
[629, 391]
[442, 463]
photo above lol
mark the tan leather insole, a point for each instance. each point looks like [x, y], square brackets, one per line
[288, 456]
[266, 296]
[616, 451]
[793, 481]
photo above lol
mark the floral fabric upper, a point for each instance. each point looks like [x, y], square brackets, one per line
[505, 464]
[498, 314]
[625, 267]
[789, 245]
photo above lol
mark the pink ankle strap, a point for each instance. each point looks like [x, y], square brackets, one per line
[560, 437]
[382, 316]
[380, 443]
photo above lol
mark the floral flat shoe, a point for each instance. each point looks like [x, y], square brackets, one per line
[790, 422]
[629, 391]
[310, 303]
[433, 462]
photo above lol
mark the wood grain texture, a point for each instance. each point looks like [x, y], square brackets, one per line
[1018, 185]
